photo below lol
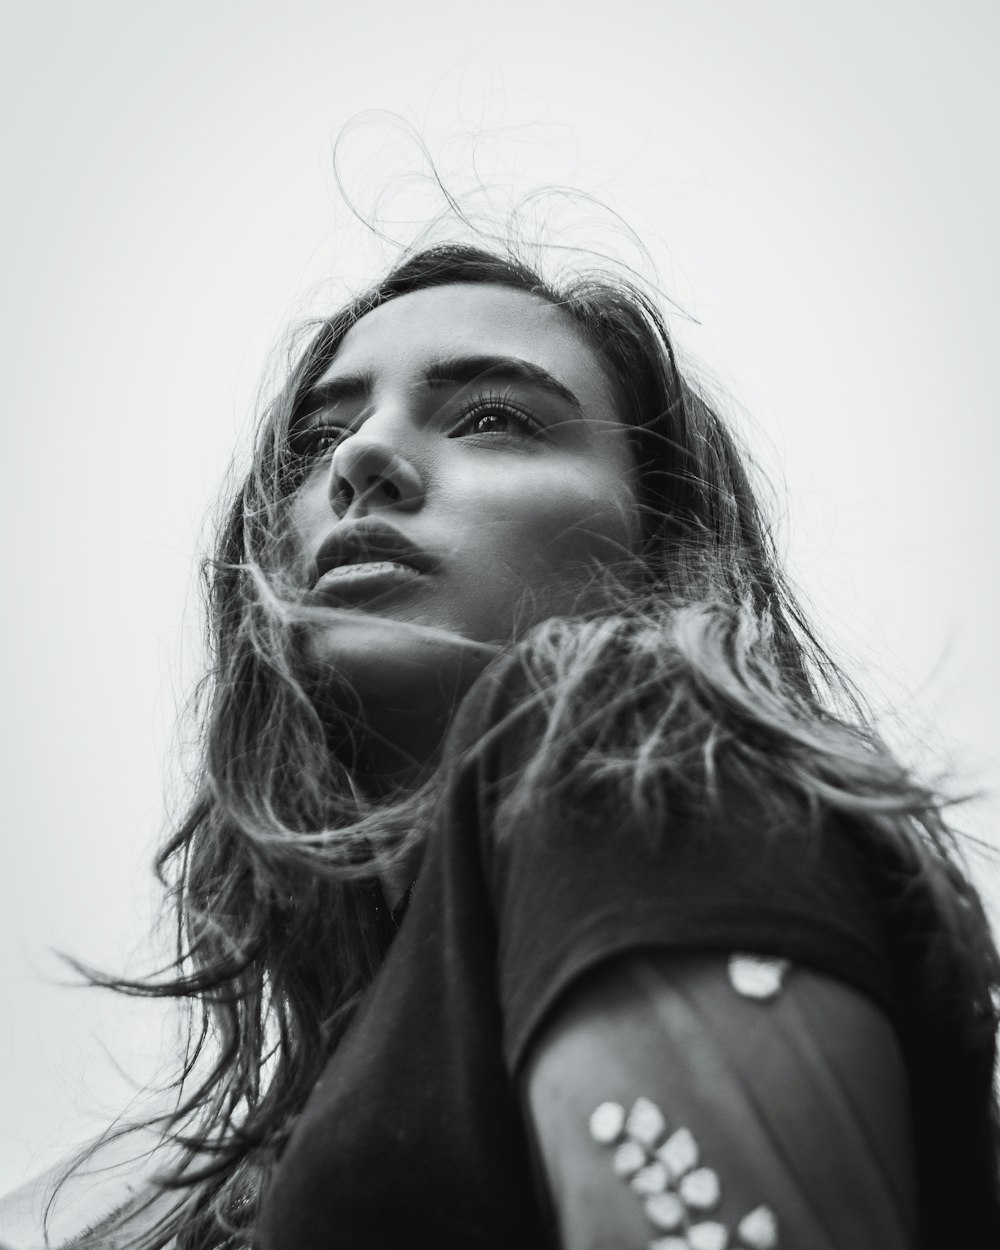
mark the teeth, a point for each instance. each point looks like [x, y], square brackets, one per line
[368, 566]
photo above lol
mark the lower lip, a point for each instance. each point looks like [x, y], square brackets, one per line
[351, 581]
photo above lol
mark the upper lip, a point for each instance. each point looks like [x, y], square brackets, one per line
[366, 540]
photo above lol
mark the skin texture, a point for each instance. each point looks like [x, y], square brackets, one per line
[514, 516]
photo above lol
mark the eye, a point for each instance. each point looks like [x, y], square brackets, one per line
[314, 441]
[496, 414]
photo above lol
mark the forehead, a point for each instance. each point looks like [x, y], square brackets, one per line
[399, 336]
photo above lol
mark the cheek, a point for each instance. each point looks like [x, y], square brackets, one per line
[545, 536]
[567, 532]
[309, 513]
[580, 516]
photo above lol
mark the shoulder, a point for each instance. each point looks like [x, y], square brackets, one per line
[595, 738]
[596, 720]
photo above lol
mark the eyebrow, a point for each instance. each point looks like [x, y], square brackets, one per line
[327, 394]
[444, 371]
[465, 370]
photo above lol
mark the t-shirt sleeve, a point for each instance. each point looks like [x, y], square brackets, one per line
[573, 891]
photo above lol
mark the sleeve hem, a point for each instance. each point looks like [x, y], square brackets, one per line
[824, 948]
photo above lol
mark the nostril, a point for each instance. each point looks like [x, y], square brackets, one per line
[390, 489]
[343, 495]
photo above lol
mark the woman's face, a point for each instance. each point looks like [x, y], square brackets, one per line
[466, 469]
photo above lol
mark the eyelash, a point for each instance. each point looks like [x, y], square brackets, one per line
[317, 441]
[484, 405]
[309, 443]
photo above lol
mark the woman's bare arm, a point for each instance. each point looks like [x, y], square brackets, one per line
[798, 1105]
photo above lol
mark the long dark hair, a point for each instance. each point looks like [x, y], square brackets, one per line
[705, 666]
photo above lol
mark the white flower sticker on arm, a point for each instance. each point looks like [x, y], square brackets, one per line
[663, 1170]
[753, 976]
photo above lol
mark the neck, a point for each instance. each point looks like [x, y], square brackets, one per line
[406, 723]
[401, 748]
[402, 744]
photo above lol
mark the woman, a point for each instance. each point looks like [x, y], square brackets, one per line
[535, 894]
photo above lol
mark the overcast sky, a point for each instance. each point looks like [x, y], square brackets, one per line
[818, 185]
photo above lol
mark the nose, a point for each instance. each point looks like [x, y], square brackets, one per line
[367, 474]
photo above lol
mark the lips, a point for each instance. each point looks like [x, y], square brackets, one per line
[369, 541]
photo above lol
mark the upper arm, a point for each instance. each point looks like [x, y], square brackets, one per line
[800, 1104]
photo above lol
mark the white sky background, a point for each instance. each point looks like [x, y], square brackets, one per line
[819, 185]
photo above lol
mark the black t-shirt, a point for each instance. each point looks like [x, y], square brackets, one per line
[415, 1134]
